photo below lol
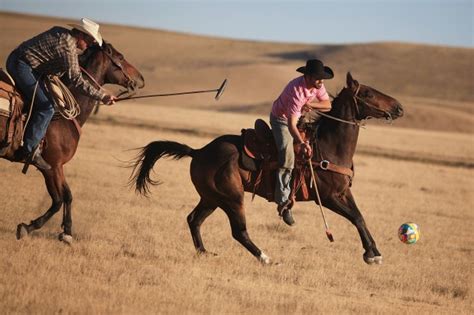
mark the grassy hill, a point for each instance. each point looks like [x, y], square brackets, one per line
[434, 83]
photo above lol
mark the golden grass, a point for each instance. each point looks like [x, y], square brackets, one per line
[135, 255]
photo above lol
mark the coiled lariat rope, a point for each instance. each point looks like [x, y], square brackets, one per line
[67, 106]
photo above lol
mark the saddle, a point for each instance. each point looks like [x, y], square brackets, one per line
[11, 118]
[13, 111]
[260, 157]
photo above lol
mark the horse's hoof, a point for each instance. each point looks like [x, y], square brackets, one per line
[378, 260]
[66, 238]
[264, 259]
[369, 260]
[21, 231]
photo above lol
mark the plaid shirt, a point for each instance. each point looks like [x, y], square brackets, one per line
[54, 53]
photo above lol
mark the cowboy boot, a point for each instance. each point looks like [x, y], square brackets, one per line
[285, 212]
[288, 217]
[35, 158]
[38, 161]
[282, 192]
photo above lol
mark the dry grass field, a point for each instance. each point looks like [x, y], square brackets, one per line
[135, 255]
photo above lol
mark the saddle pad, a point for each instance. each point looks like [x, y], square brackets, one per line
[4, 107]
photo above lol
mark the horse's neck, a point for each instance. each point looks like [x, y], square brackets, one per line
[87, 103]
[338, 140]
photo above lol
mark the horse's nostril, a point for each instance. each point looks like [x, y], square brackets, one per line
[400, 110]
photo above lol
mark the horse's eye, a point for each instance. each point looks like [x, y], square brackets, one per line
[368, 94]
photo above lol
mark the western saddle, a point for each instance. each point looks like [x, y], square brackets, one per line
[11, 118]
[260, 157]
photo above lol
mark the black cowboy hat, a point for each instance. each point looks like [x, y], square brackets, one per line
[316, 69]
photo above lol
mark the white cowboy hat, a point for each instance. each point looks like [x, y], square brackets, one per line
[90, 28]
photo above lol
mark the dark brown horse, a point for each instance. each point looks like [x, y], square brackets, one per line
[104, 65]
[221, 182]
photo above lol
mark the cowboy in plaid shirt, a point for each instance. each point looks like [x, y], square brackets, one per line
[54, 52]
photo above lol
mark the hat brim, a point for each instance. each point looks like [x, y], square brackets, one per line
[97, 37]
[327, 74]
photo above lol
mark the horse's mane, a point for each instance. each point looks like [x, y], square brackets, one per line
[85, 58]
[336, 100]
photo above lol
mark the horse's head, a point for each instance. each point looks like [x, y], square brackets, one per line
[370, 103]
[113, 67]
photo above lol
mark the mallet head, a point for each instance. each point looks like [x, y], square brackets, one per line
[221, 89]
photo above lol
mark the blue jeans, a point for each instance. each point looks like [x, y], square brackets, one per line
[26, 78]
[286, 158]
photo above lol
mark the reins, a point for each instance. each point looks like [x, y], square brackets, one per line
[349, 122]
[355, 123]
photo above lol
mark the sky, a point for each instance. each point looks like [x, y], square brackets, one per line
[437, 22]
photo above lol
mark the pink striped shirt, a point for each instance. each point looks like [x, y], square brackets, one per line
[295, 96]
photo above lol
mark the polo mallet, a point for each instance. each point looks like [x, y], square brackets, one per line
[219, 91]
[313, 177]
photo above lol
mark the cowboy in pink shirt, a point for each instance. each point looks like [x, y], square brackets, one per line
[305, 92]
[295, 95]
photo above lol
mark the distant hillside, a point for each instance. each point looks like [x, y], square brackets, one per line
[441, 77]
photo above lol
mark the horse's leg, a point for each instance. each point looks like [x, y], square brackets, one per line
[236, 214]
[228, 193]
[196, 218]
[373, 246]
[66, 236]
[345, 205]
[53, 182]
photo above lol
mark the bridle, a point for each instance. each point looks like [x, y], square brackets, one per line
[358, 122]
[356, 98]
[131, 84]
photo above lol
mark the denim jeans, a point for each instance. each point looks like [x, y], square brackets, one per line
[25, 79]
[286, 158]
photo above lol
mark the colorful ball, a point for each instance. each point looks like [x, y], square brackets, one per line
[409, 233]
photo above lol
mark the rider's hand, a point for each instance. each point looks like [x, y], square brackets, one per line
[109, 99]
[307, 150]
[306, 108]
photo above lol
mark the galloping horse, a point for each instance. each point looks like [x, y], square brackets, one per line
[103, 65]
[221, 182]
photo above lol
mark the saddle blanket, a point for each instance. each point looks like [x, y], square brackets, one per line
[4, 107]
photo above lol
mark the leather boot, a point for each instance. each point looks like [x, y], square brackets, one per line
[285, 212]
[288, 217]
[38, 161]
[35, 158]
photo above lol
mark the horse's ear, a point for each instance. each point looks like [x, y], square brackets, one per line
[350, 82]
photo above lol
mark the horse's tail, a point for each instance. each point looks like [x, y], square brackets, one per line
[147, 158]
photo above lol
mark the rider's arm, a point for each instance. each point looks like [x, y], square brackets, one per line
[74, 74]
[321, 102]
[292, 123]
[324, 106]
